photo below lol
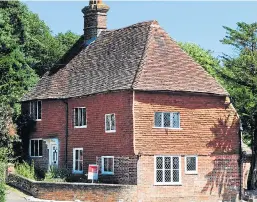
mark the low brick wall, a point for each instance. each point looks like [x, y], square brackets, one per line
[71, 191]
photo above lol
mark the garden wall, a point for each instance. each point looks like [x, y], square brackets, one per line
[72, 191]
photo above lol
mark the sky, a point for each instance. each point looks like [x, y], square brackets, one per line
[196, 22]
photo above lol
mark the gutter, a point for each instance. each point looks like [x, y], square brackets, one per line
[240, 161]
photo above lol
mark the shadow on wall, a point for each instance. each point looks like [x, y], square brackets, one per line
[224, 177]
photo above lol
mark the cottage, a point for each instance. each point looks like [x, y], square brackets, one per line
[133, 102]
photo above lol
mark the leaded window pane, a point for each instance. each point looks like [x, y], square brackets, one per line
[175, 119]
[108, 123]
[175, 175]
[191, 163]
[113, 122]
[76, 117]
[84, 116]
[159, 162]
[175, 163]
[166, 120]
[158, 119]
[167, 175]
[159, 176]
[167, 163]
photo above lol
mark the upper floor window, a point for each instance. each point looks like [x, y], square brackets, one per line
[80, 117]
[36, 147]
[167, 119]
[167, 170]
[191, 164]
[35, 108]
[110, 123]
[108, 165]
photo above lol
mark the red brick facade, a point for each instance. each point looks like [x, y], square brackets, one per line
[208, 129]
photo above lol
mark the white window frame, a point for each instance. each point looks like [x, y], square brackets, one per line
[30, 111]
[195, 172]
[74, 161]
[110, 131]
[171, 120]
[102, 167]
[167, 183]
[83, 126]
[34, 147]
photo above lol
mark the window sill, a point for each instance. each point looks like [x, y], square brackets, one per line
[168, 128]
[36, 156]
[77, 172]
[38, 119]
[191, 173]
[80, 126]
[106, 173]
[167, 184]
[111, 131]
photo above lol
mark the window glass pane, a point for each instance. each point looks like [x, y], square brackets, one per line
[40, 147]
[191, 163]
[159, 163]
[39, 110]
[76, 155]
[76, 165]
[36, 147]
[167, 175]
[158, 119]
[111, 164]
[107, 123]
[176, 120]
[76, 117]
[105, 164]
[166, 119]
[80, 166]
[167, 163]
[112, 122]
[175, 175]
[175, 163]
[84, 116]
[79, 117]
[159, 176]
[32, 148]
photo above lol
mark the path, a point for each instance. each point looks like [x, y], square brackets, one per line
[13, 195]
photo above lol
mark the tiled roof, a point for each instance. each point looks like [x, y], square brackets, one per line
[140, 57]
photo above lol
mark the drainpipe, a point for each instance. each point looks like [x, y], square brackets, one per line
[66, 132]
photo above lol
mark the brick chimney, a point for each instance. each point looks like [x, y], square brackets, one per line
[95, 19]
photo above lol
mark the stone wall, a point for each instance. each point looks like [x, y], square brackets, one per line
[75, 191]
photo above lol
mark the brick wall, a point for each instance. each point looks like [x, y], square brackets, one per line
[125, 170]
[75, 191]
[209, 129]
[93, 139]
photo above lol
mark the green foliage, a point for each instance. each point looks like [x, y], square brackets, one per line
[56, 174]
[26, 170]
[240, 73]
[2, 181]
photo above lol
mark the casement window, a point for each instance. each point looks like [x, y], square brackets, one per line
[167, 170]
[80, 117]
[191, 164]
[77, 160]
[35, 108]
[36, 147]
[107, 165]
[167, 120]
[110, 123]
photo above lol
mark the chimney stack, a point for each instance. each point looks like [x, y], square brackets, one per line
[95, 19]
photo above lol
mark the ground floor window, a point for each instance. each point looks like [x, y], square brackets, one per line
[191, 164]
[167, 170]
[36, 147]
[108, 165]
[77, 160]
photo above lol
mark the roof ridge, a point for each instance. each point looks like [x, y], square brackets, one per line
[137, 74]
[136, 25]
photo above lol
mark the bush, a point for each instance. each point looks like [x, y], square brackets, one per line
[2, 181]
[56, 174]
[26, 170]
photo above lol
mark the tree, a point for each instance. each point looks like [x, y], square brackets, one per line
[240, 73]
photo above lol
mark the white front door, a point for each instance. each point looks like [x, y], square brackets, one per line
[53, 161]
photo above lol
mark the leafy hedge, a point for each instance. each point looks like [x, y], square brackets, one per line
[2, 181]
